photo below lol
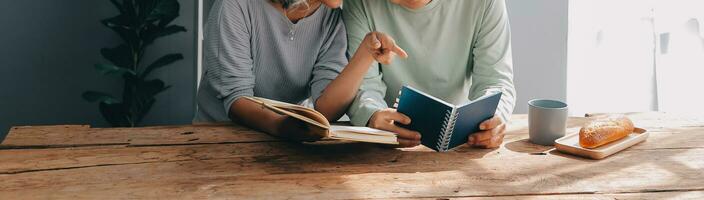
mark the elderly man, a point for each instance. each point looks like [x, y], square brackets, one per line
[458, 50]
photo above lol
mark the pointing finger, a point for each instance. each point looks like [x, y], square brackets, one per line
[398, 50]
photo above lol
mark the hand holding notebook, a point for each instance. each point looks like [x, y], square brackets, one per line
[491, 134]
[442, 125]
[390, 120]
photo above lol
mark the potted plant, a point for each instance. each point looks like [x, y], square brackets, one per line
[139, 23]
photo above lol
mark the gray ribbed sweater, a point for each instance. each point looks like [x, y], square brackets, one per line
[251, 49]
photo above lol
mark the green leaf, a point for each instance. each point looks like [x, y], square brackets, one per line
[144, 109]
[120, 56]
[130, 11]
[167, 20]
[117, 5]
[117, 114]
[93, 96]
[124, 27]
[119, 22]
[144, 6]
[173, 29]
[107, 69]
[148, 89]
[161, 62]
[152, 32]
[144, 97]
[164, 9]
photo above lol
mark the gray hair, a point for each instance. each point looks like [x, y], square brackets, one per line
[292, 3]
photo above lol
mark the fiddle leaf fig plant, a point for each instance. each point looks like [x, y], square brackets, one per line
[139, 23]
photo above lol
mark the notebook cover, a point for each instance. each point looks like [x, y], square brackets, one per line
[427, 115]
[471, 115]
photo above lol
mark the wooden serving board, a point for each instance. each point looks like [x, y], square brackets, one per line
[570, 144]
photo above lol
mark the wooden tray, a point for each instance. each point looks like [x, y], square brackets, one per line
[570, 144]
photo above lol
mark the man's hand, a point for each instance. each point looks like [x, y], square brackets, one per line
[491, 134]
[384, 120]
[382, 47]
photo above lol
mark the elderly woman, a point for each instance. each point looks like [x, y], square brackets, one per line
[285, 50]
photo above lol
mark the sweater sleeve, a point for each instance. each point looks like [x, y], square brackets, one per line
[331, 59]
[493, 65]
[370, 97]
[229, 55]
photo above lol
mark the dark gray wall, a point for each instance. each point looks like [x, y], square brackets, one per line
[48, 49]
[539, 29]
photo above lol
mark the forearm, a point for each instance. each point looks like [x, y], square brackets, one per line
[256, 116]
[369, 99]
[493, 64]
[260, 118]
[339, 94]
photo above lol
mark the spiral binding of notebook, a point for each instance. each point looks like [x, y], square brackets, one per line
[444, 125]
[449, 122]
[399, 95]
[448, 126]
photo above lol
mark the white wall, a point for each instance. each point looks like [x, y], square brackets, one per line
[47, 57]
[204, 7]
[653, 52]
[539, 29]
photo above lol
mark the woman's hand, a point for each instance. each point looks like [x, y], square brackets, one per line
[254, 115]
[385, 120]
[296, 130]
[340, 93]
[381, 47]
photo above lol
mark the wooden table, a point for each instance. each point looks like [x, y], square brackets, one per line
[232, 162]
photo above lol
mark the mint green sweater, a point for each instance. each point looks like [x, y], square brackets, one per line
[459, 50]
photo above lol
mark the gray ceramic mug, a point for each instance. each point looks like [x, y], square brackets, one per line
[547, 121]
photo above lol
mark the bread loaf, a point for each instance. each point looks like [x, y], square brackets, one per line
[605, 130]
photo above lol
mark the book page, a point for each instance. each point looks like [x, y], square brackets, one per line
[360, 129]
[291, 110]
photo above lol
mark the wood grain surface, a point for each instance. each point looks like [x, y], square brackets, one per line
[227, 161]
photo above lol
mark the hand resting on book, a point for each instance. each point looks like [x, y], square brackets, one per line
[296, 130]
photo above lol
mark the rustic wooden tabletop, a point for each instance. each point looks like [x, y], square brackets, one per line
[232, 162]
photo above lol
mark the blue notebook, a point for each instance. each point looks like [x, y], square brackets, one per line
[442, 125]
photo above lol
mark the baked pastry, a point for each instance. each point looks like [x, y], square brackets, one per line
[604, 130]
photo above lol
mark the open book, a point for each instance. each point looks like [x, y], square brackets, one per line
[442, 125]
[319, 125]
